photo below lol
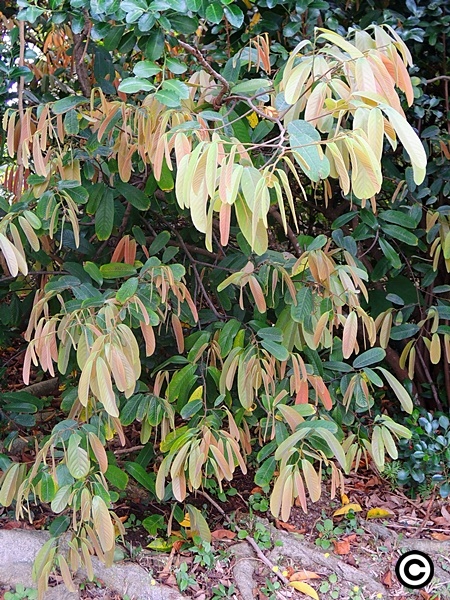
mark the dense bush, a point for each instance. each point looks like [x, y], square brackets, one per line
[218, 226]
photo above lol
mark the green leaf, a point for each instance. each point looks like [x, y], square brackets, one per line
[370, 357]
[159, 242]
[175, 66]
[127, 289]
[141, 475]
[94, 272]
[264, 474]
[177, 87]
[116, 270]
[116, 477]
[78, 461]
[398, 218]
[198, 526]
[112, 39]
[104, 215]
[133, 195]
[191, 408]
[146, 68]
[234, 15]
[390, 253]
[59, 525]
[214, 12]
[132, 85]
[183, 23]
[402, 332]
[227, 336]
[48, 488]
[304, 140]
[276, 350]
[155, 45]
[168, 98]
[61, 499]
[66, 104]
[153, 523]
[400, 234]
[71, 123]
[304, 305]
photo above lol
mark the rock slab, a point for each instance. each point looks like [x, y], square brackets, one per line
[18, 549]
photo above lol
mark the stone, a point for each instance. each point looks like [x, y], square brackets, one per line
[244, 569]
[18, 549]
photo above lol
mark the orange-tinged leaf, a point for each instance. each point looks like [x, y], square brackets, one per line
[102, 523]
[303, 575]
[441, 537]
[349, 335]
[378, 513]
[347, 508]
[312, 480]
[305, 588]
[345, 499]
[223, 534]
[342, 547]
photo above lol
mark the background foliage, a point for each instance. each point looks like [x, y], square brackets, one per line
[219, 225]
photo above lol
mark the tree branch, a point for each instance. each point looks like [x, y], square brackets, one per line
[78, 60]
[202, 60]
[291, 235]
[248, 539]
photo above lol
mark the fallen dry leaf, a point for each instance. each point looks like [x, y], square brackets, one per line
[442, 537]
[303, 575]
[346, 509]
[282, 525]
[445, 514]
[288, 527]
[342, 547]
[351, 538]
[256, 490]
[378, 513]
[387, 579]
[305, 588]
[223, 534]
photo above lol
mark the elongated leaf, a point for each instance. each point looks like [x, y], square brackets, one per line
[305, 143]
[104, 215]
[102, 523]
[140, 474]
[370, 357]
[401, 393]
[198, 524]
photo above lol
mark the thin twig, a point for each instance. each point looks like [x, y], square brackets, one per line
[248, 539]
[438, 78]
[128, 450]
[289, 232]
[426, 517]
[20, 91]
[202, 60]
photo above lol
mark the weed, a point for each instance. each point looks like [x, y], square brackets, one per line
[270, 589]
[223, 591]
[21, 593]
[184, 580]
[258, 502]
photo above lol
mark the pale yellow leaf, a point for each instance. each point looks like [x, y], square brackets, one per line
[344, 510]
[102, 523]
[378, 513]
[305, 588]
